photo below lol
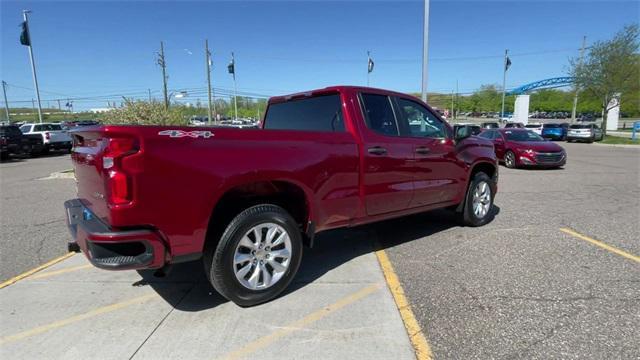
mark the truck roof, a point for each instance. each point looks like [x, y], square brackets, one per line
[335, 88]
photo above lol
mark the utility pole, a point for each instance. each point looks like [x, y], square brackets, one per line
[425, 50]
[59, 108]
[455, 116]
[149, 91]
[6, 103]
[33, 64]
[575, 95]
[207, 54]
[504, 80]
[453, 111]
[163, 64]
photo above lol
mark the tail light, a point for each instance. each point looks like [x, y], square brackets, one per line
[47, 136]
[3, 141]
[114, 162]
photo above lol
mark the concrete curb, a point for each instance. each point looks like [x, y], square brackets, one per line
[637, 147]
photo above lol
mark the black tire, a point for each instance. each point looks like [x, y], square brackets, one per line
[510, 159]
[219, 262]
[4, 156]
[468, 216]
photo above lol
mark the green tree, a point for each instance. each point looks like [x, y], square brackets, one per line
[611, 67]
[145, 113]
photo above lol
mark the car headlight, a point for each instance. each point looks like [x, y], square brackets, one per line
[527, 151]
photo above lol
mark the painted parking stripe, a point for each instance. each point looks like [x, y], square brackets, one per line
[416, 335]
[47, 274]
[77, 318]
[35, 270]
[601, 244]
[299, 324]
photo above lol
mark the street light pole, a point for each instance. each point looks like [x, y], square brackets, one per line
[425, 50]
[33, 64]
[504, 81]
[235, 87]
[6, 103]
[208, 64]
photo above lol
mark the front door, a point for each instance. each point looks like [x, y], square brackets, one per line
[438, 172]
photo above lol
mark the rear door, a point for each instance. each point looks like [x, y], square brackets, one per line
[437, 172]
[388, 158]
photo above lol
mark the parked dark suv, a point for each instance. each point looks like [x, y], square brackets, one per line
[13, 142]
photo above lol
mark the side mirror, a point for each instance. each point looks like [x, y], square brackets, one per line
[462, 133]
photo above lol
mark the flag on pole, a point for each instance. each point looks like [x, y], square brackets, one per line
[231, 67]
[24, 35]
[370, 65]
[209, 58]
[507, 64]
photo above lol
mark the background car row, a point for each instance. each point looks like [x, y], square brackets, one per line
[33, 139]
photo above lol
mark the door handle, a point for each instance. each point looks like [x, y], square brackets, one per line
[422, 150]
[377, 150]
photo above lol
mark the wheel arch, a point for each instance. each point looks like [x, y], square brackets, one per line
[287, 194]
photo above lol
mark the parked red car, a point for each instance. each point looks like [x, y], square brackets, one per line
[245, 200]
[522, 147]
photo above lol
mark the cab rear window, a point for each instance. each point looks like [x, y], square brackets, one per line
[320, 113]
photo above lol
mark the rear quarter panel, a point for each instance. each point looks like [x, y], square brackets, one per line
[181, 179]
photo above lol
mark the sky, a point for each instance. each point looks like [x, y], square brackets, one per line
[98, 51]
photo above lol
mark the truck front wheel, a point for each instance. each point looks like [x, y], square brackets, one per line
[257, 257]
[478, 206]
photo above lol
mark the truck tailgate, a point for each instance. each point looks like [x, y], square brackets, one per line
[87, 162]
[59, 136]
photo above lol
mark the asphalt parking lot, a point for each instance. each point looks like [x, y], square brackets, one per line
[555, 275]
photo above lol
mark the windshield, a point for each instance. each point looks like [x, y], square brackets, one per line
[532, 126]
[522, 136]
[552, 126]
[580, 127]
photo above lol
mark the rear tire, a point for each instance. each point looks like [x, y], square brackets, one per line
[243, 267]
[478, 204]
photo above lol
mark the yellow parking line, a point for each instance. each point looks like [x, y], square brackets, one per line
[309, 319]
[74, 319]
[61, 271]
[601, 244]
[35, 270]
[417, 337]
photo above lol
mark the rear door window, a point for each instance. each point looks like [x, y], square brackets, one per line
[379, 115]
[320, 113]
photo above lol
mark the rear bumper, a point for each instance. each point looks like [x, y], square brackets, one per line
[580, 137]
[59, 145]
[109, 249]
[554, 136]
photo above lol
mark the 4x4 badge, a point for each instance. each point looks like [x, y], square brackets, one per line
[182, 133]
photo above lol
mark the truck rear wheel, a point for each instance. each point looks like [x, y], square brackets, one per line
[257, 257]
[478, 205]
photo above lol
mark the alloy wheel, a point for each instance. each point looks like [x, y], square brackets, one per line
[262, 256]
[481, 199]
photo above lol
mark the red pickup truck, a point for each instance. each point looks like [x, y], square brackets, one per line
[247, 200]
